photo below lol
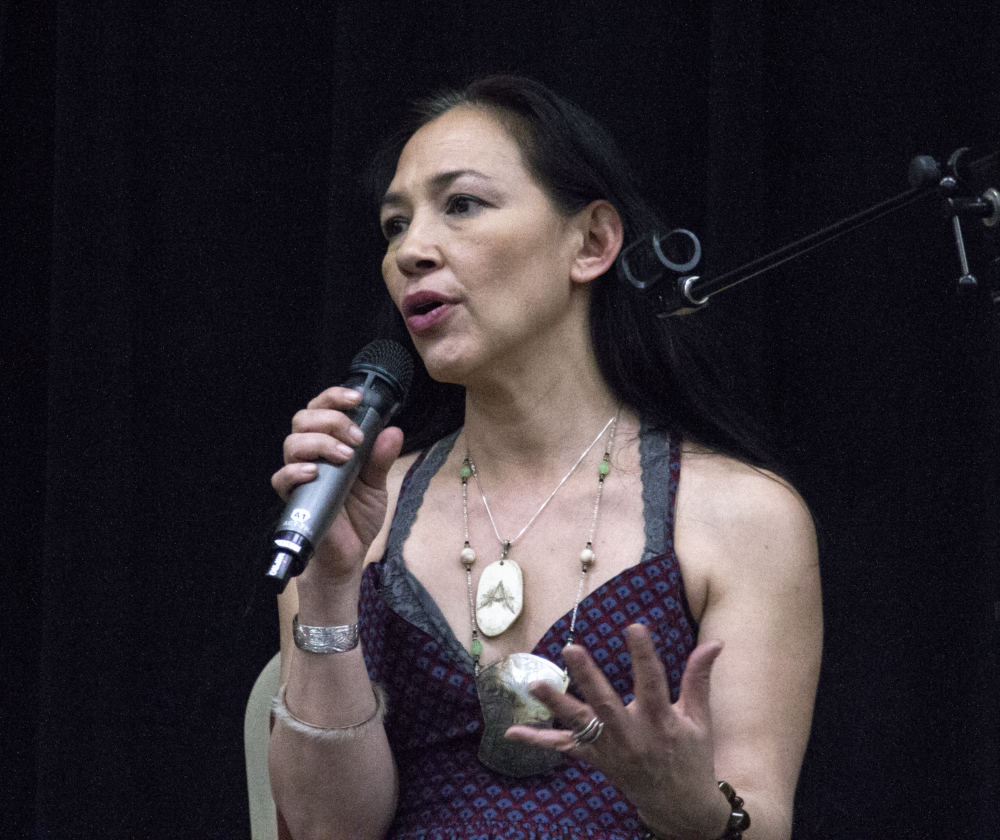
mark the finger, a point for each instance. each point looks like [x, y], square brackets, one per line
[591, 683]
[291, 476]
[696, 682]
[549, 739]
[567, 709]
[315, 446]
[650, 681]
[384, 453]
[329, 422]
[337, 397]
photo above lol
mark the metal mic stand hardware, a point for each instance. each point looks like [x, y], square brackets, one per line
[672, 256]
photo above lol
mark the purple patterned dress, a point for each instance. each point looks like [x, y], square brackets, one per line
[434, 722]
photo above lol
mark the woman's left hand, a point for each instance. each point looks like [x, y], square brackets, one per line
[658, 753]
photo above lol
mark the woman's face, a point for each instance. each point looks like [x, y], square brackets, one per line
[478, 258]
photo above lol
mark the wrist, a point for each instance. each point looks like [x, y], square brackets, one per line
[323, 600]
[336, 638]
[729, 820]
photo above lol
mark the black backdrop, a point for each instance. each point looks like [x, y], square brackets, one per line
[186, 258]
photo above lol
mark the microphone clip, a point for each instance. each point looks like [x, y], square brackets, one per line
[660, 264]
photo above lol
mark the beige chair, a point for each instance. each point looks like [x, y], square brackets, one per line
[256, 733]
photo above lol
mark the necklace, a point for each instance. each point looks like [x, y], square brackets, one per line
[500, 594]
[503, 686]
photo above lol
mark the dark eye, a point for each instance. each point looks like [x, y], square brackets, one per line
[393, 226]
[463, 205]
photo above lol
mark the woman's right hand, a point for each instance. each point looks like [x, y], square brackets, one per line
[323, 431]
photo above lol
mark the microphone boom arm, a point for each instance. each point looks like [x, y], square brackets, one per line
[689, 292]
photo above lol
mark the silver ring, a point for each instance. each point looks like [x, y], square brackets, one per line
[590, 733]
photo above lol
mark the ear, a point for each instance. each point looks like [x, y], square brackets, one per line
[603, 234]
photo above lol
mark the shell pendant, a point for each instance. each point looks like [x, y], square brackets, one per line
[499, 597]
[504, 690]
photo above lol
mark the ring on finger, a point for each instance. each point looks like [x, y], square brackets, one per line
[589, 733]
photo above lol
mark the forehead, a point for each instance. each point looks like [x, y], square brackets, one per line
[463, 138]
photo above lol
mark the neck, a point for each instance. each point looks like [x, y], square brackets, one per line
[539, 421]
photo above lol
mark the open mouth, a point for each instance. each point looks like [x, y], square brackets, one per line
[424, 308]
[423, 303]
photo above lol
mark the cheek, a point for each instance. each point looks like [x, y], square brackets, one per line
[516, 252]
[390, 277]
[534, 263]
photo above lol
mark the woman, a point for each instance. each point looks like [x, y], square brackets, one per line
[582, 520]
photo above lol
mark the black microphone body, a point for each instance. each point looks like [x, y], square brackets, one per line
[381, 371]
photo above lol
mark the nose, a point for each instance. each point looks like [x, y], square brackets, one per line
[417, 250]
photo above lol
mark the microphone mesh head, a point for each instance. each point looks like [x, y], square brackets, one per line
[390, 360]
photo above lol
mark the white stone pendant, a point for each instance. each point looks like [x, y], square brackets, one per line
[499, 597]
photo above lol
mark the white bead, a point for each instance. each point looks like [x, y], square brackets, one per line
[468, 556]
[586, 558]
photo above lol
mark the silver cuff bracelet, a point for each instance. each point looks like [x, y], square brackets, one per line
[337, 639]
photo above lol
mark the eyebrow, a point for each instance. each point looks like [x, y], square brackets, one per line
[437, 183]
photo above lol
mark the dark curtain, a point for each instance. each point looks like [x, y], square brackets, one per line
[188, 257]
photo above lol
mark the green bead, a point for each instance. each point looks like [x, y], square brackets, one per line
[604, 468]
[466, 471]
[476, 648]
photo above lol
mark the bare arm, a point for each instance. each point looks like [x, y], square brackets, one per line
[339, 783]
[748, 540]
[340, 787]
[748, 553]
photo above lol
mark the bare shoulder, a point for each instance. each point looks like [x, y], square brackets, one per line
[394, 481]
[738, 522]
[729, 495]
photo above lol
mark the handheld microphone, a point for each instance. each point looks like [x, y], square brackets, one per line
[381, 371]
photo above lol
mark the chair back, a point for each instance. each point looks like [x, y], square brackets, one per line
[256, 735]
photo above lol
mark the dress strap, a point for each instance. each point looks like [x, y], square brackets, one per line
[400, 589]
[659, 454]
[411, 492]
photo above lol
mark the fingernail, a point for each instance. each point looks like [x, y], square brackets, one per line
[353, 396]
[310, 469]
[355, 434]
[345, 450]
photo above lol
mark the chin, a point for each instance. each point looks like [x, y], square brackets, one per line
[445, 361]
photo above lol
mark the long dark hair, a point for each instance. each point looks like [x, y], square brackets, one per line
[663, 369]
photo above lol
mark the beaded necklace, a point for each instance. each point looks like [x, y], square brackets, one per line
[503, 686]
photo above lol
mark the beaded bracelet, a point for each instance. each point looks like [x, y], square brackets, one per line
[739, 819]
